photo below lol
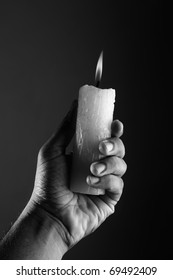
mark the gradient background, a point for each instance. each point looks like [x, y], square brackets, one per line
[48, 49]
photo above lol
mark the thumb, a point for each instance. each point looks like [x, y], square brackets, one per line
[117, 128]
[63, 135]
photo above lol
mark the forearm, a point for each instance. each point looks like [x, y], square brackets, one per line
[33, 236]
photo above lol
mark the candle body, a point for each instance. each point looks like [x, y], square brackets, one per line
[94, 119]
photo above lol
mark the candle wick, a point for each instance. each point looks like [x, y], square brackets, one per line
[98, 83]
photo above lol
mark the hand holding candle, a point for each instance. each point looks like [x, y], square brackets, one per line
[62, 216]
[94, 119]
[75, 215]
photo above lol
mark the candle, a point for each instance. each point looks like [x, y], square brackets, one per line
[94, 119]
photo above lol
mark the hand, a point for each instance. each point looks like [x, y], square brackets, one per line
[77, 215]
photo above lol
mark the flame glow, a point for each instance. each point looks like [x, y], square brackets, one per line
[99, 69]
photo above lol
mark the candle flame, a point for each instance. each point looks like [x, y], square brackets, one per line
[99, 69]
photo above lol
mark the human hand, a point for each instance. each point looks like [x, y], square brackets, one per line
[77, 215]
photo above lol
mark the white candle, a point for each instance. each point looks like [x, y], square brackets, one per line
[94, 119]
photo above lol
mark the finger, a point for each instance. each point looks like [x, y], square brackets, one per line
[117, 128]
[111, 183]
[109, 165]
[112, 146]
[62, 137]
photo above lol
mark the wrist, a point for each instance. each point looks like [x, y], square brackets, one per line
[49, 233]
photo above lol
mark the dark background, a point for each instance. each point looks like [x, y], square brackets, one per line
[48, 49]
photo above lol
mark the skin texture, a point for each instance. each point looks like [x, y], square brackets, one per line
[59, 217]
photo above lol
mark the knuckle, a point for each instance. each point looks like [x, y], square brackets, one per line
[120, 166]
[124, 167]
[119, 189]
[121, 150]
[115, 184]
[117, 165]
[121, 184]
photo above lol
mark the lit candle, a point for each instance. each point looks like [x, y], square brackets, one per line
[94, 119]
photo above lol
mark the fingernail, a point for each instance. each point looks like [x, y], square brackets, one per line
[98, 168]
[92, 180]
[108, 146]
